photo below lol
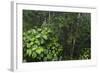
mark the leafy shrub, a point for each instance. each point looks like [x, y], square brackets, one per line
[41, 44]
[85, 53]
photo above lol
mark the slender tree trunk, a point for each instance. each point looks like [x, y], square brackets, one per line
[73, 46]
[49, 19]
[74, 35]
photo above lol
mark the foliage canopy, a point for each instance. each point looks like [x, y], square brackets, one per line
[53, 36]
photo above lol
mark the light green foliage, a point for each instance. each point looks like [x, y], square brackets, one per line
[40, 44]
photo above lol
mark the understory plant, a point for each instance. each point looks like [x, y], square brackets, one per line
[41, 44]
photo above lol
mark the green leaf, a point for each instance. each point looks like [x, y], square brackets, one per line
[55, 58]
[32, 39]
[55, 55]
[38, 35]
[34, 31]
[39, 50]
[39, 29]
[41, 55]
[45, 37]
[49, 30]
[42, 41]
[39, 58]
[53, 51]
[34, 48]
[46, 51]
[31, 43]
[49, 56]
[45, 58]
[37, 42]
[29, 32]
[34, 55]
[53, 47]
[29, 52]
[28, 45]
[60, 50]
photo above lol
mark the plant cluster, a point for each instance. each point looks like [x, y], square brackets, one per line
[40, 44]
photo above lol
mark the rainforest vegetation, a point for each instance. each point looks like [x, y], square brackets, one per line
[56, 36]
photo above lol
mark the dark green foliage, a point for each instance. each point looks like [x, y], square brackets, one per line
[85, 53]
[49, 35]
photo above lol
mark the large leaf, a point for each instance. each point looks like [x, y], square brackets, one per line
[38, 36]
[45, 37]
[39, 50]
[29, 52]
[37, 42]
[34, 55]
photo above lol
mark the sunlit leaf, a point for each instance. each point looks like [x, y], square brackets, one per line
[39, 50]
[45, 37]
